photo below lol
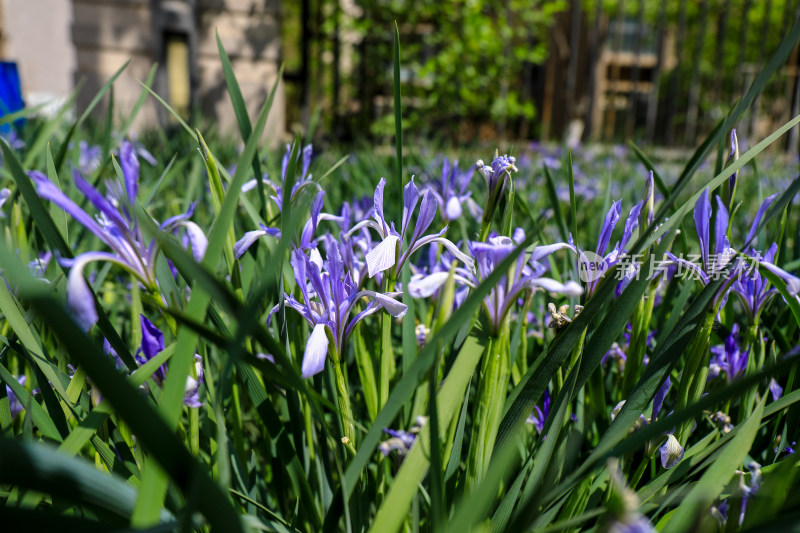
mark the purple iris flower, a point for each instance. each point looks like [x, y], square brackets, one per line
[792, 282]
[526, 273]
[747, 491]
[451, 191]
[539, 416]
[89, 157]
[728, 357]
[618, 350]
[329, 296]
[385, 255]
[658, 400]
[117, 226]
[775, 390]
[304, 180]
[752, 288]
[636, 524]
[712, 260]
[13, 140]
[306, 240]
[733, 155]
[152, 345]
[14, 405]
[496, 174]
[671, 452]
[603, 240]
[401, 441]
[38, 266]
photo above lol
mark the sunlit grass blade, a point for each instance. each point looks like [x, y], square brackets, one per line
[154, 482]
[62, 152]
[141, 100]
[243, 119]
[394, 509]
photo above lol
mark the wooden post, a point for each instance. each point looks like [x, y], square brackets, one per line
[630, 120]
[754, 109]
[611, 108]
[2, 33]
[549, 88]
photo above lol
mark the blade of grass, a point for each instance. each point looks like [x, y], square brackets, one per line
[710, 485]
[151, 76]
[240, 111]
[154, 482]
[57, 244]
[62, 152]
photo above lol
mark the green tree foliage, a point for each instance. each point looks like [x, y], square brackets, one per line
[464, 61]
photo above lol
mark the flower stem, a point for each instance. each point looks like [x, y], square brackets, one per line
[343, 401]
[489, 408]
[694, 374]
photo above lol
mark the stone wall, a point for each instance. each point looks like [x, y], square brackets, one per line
[106, 33]
[35, 34]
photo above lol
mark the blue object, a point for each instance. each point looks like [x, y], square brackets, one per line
[10, 94]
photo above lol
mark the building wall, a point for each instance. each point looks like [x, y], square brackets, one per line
[59, 44]
[36, 34]
[106, 33]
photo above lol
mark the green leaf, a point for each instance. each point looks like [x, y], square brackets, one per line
[151, 76]
[240, 110]
[39, 467]
[38, 414]
[717, 476]
[405, 388]
[154, 482]
[151, 429]
[394, 509]
[57, 244]
[555, 204]
[62, 152]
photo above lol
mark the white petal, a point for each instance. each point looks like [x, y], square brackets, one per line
[392, 306]
[458, 254]
[541, 252]
[198, 240]
[671, 452]
[382, 257]
[425, 286]
[453, 208]
[316, 351]
[569, 288]
[246, 242]
[315, 258]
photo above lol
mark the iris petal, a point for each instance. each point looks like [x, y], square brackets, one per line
[702, 215]
[243, 244]
[316, 351]
[383, 256]
[80, 300]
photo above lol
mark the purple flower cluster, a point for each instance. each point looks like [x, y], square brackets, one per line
[117, 226]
